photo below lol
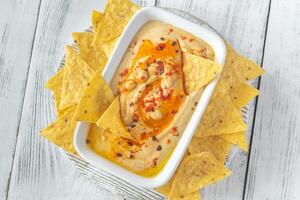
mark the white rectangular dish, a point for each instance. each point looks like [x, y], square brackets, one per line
[141, 17]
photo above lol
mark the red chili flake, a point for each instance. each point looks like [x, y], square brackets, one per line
[130, 143]
[124, 72]
[118, 154]
[177, 51]
[173, 43]
[143, 135]
[150, 107]
[131, 104]
[170, 30]
[174, 131]
[160, 47]
[191, 40]
[143, 78]
[160, 67]
[155, 129]
[183, 37]
[168, 141]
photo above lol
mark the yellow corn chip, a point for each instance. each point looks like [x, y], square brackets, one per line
[195, 172]
[238, 69]
[96, 19]
[191, 196]
[95, 100]
[216, 145]
[55, 84]
[199, 71]
[242, 95]
[55, 80]
[76, 76]
[61, 132]
[238, 139]
[117, 13]
[220, 116]
[109, 46]
[94, 57]
[111, 120]
[165, 189]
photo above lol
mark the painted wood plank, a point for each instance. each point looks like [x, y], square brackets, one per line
[242, 24]
[41, 171]
[274, 168]
[17, 27]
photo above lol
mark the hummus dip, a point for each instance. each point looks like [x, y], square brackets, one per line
[154, 104]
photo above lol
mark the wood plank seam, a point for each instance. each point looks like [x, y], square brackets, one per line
[22, 105]
[256, 101]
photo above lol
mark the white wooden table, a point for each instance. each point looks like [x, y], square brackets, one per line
[32, 38]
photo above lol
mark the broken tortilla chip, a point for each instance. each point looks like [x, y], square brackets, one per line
[76, 76]
[111, 120]
[238, 139]
[219, 147]
[61, 132]
[199, 71]
[117, 13]
[201, 169]
[96, 19]
[94, 57]
[95, 100]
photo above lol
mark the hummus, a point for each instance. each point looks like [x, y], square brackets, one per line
[154, 104]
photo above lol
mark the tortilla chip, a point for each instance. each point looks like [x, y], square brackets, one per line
[109, 46]
[100, 140]
[55, 84]
[61, 132]
[94, 57]
[219, 147]
[55, 80]
[238, 69]
[220, 116]
[242, 95]
[117, 13]
[76, 76]
[166, 188]
[111, 120]
[95, 100]
[195, 172]
[199, 71]
[238, 139]
[192, 196]
[96, 19]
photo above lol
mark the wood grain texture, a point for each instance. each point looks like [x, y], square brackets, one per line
[17, 27]
[243, 25]
[41, 170]
[274, 168]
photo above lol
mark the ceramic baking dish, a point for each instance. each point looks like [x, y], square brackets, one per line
[141, 17]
